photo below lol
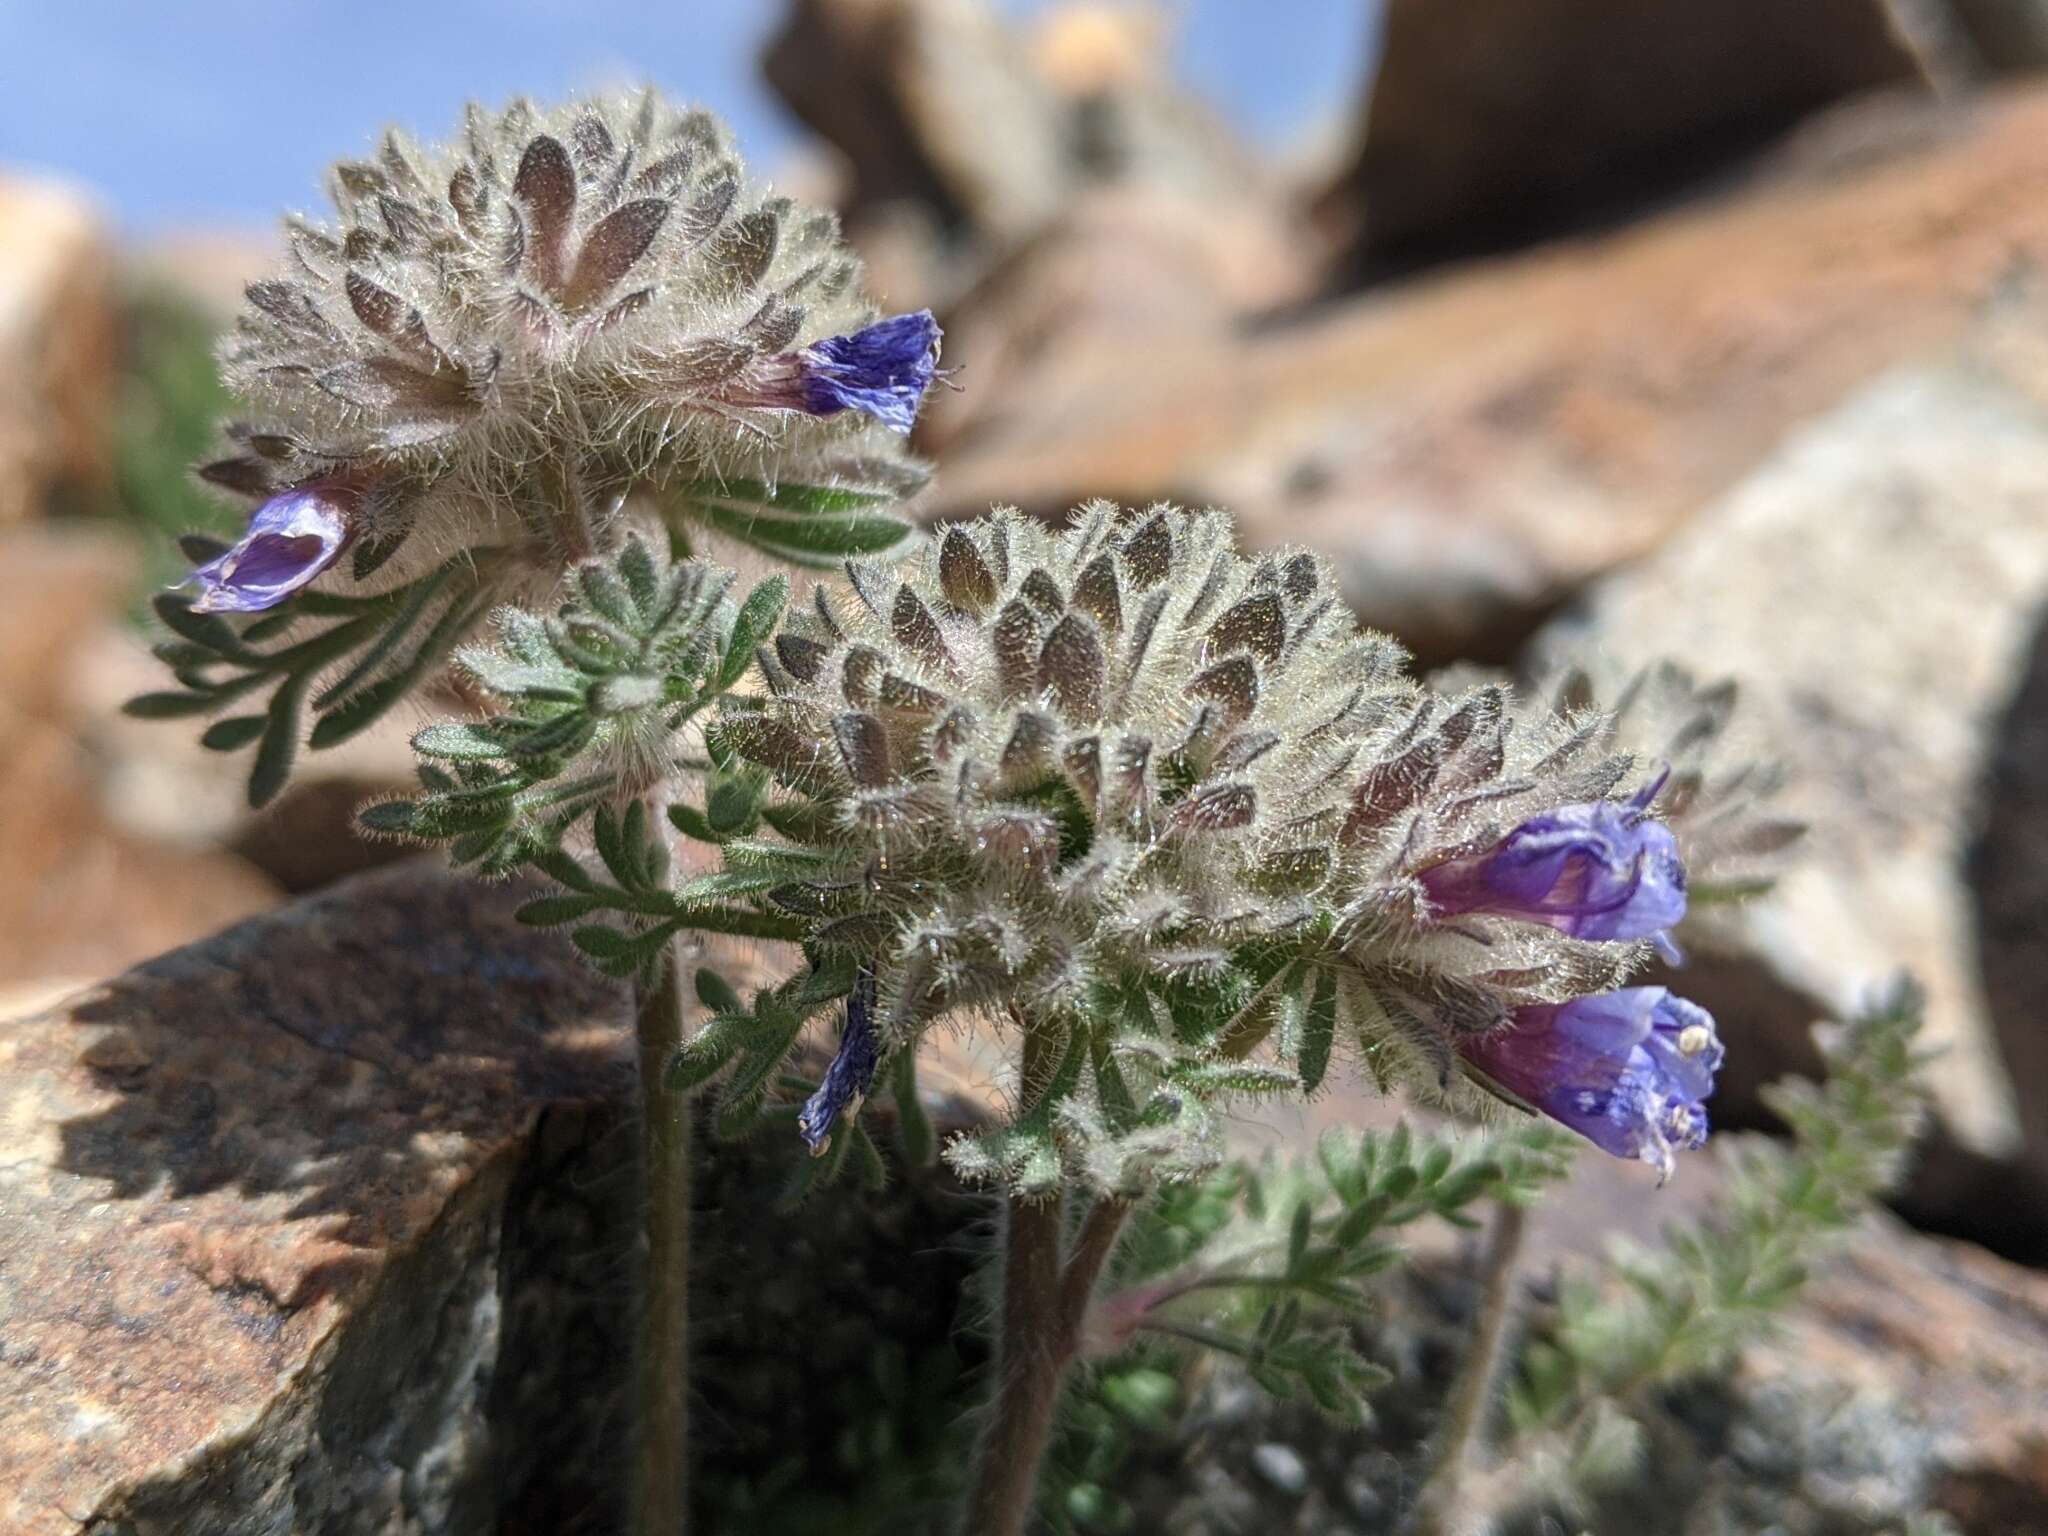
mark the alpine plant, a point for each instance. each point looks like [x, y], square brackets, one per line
[1163, 814]
[499, 356]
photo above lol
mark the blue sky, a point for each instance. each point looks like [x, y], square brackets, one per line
[192, 112]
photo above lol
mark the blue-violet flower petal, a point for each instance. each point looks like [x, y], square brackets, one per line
[1629, 1070]
[852, 1071]
[290, 540]
[1596, 871]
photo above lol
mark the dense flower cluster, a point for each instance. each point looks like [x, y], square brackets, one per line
[1165, 803]
[507, 339]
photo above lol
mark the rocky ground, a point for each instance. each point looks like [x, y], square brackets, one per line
[1743, 361]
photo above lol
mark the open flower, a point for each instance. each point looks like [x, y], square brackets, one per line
[882, 370]
[1595, 871]
[1629, 1070]
[852, 1071]
[291, 539]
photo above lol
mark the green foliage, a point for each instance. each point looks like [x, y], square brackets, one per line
[1683, 1307]
[588, 706]
[167, 411]
[344, 660]
[1270, 1264]
[818, 526]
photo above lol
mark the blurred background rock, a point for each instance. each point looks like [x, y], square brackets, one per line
[1645, 326]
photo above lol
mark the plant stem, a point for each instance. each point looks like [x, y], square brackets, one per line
[1440, 1509]
[1029, 1370]
[1044, 1305]
[661, 1430]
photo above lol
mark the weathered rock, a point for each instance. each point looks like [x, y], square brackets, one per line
[321, 1225]
[254, 1195]
[1089, 298]
[1472, 448]
[80, 894]
[966, 135]
[56, 344]
[933, 101]
[1878, 589]
[2008, 36]
[1493, 120]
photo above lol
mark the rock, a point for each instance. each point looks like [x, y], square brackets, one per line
[320, 1225]
[1473, 447]
[933, 101]
[1878, 589]
[966, 136]
[80, 894]
[261, 1269]
[2007, 36]
[1905, 1379]
[56, 345]
[1118, 273]
[1492, 120]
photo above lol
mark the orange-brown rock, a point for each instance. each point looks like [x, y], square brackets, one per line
[56, 344]
[1472, 446]
[253, 1199]
[82, 895]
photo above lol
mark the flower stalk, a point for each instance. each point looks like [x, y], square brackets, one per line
[1442, 1509]
[660, 1485]
[1047, 1287]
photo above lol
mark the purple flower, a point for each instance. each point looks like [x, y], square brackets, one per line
[1629, 1070]
[852, 1071]
[883, 370]
[1597, 871]
[291, 539]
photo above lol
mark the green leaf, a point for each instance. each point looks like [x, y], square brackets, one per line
[732, 808]
[365, 705]
[642, 578]
[169, 706]
[232, 734]
[562, 868]
[790, 495]
[817, 542]
[1298, 1233]
[607, 595]
[716, 993]
[278, 746]
[691, 822]
[553, 911]
[757, 619]
[205, 629]
[702, 1057]
[1319, 1030]
[913, 1125]
[458, 742]
[394, 817]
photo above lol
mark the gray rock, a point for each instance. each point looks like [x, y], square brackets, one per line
[1878, 589]
[1281, 1466]
[2006, 36]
